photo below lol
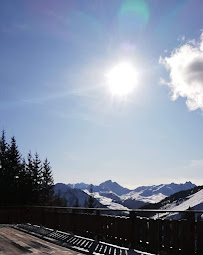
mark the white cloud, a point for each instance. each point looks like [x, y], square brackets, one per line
[195, 164]
[185, 67]
[181, 38]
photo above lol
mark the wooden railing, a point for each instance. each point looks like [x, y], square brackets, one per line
[146, 234]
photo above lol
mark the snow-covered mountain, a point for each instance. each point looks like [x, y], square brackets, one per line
[155, 193]
[73, 195]
[109, 186]
[114, 196]
[180, 201]
[80, 185]
[165, 189]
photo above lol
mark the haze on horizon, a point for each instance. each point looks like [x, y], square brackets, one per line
[105, 90]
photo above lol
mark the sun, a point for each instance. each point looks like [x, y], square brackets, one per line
[121, 79]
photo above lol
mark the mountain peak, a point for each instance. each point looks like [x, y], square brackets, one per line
[114, 187]
[106, 182]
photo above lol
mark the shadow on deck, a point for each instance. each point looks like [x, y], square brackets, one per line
[74, 242]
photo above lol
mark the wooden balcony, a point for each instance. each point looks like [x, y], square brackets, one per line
[155, 236]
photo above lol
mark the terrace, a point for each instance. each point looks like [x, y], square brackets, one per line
[100, 231]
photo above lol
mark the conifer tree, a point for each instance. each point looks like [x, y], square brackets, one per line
[47, 183]
[24, 183]
[29, 178]
[85, 203]
[14, 165]
[91, 201]
[3, 169]
[76, 203]
[36, 180]
[22, 194]
[3, 152]
[59, 200]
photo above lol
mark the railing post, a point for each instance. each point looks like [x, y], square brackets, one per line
[132, 230]
[42, 217]
[199, 233]
[27, 215]
[187, 237]
[73, 220]
[191, 222]
[98, 219]
[159, 234]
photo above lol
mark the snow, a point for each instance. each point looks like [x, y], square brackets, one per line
[155, 198]
[146, 194]
[107, 201]
[194, 201]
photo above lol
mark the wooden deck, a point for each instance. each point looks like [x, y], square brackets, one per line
[14, 242]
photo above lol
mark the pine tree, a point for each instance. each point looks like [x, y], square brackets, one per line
[36, 180]
[85, 203]
[47, 183]
[59, 200]
[3, 152]
[29, 179]
[23, 185]
[14, 167]
[76, 203]
[91, 201]
[3, 169]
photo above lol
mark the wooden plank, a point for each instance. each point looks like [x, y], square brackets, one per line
[14, 242]
[166, 239]
[143, 231]
[187, 235]
[199, 228]
[153, 236]
[175, 236]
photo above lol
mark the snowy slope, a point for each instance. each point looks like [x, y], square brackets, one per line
[106, 201]
[155, 193]
[158, 192]
[194, 201]
[138, 196]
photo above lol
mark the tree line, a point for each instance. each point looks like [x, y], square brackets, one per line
[24, 181]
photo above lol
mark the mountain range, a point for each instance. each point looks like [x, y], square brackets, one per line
[74, 196]
[114, 196]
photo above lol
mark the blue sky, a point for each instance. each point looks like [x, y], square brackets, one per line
[54, 57]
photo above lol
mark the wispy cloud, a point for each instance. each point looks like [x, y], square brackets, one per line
[10, 104]
[82, 116]
[195, 164]
[21, 26]
[185, 67]
[15, 27]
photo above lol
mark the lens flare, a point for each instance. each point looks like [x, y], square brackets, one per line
[136, 7]
[133, 16]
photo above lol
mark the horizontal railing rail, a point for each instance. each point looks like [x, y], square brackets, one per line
[107, 209]
[132, 230]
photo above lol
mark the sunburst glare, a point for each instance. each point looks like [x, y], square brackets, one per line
[122, 79]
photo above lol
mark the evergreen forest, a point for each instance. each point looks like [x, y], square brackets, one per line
[24, 181]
